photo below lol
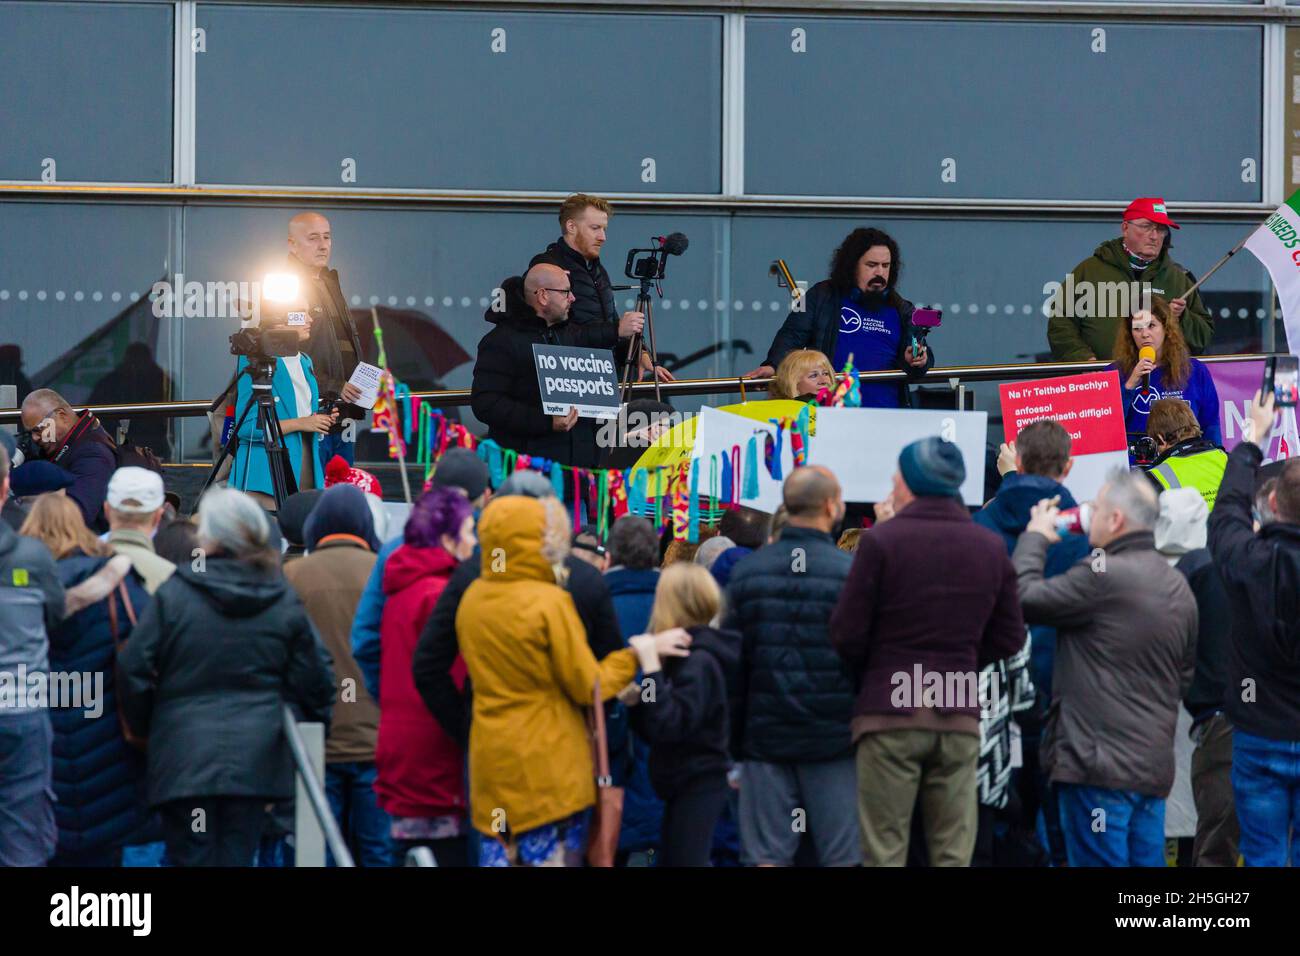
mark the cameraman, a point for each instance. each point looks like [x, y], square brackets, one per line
[296, 400]
[1187, 459]
[77, 444]
[334, 346]
[583, 221]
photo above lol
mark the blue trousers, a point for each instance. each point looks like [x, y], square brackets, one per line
[351, 791]
[28, 833]
[1105, 827]
[1266, 788]
[331, 445]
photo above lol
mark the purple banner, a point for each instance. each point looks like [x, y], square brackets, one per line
[1237, 383]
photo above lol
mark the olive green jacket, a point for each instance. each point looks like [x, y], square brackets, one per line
[1076, 338]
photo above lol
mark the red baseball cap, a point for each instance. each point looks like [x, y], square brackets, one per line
[1149, 207]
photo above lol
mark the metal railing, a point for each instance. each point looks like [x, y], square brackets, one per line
[953, 376]
[309, 779]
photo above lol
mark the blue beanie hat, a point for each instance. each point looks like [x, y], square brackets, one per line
[932, 467]
[37, 477]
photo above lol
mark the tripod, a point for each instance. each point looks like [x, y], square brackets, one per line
[283, 482]
[630, 371]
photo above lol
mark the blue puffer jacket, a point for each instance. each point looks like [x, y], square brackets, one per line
[99, 779]
[1007, 514]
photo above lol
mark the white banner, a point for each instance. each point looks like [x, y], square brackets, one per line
[1277, 245]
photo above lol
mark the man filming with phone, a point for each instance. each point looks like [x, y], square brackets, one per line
[858, 311]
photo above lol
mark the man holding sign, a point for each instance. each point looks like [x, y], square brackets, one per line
[506, 391]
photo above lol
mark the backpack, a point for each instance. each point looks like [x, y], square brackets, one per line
[136, 456]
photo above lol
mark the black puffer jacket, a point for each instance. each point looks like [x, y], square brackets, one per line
[505, 395]
[796, 692]
[211, 661]
[593, 294]
[687, 724]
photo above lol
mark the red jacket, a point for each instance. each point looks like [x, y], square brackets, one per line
[421, 771]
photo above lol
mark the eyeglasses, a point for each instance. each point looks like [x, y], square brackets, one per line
[565, 292]
[1149, 227]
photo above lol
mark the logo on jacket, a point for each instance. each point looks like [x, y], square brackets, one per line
[1142, 401]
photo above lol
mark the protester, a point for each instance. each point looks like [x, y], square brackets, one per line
[334, 345]
[211, 664]
[1187, 459]
[436, 652]
[1261, 577]
[421, 782]
[1126, 650]
[680, 707]
[929, 595]
[795, 697]
[29, 609]
[1039, 461]
[1173, 374]
[712, 549]
[640, 423]
[134, 509]
[584, 220]
[857, 312]
[458, 468]
[98, 777]
[292, 519]
[530, 766]
[801, 375]
[178, 542]
[1085, 330]
[505, 394]
[294, 386]
[328, 580]
[587, 546]
[76, 443]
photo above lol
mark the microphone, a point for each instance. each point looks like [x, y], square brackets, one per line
[674, 243]
[1146, 352]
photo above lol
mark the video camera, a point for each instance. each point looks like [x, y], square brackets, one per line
[281, 315]
[649, 267]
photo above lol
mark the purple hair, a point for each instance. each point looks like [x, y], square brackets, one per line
[437, 512]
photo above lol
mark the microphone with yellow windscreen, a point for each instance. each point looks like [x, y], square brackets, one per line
[1146, 352]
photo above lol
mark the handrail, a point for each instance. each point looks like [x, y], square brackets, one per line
[316, 793]
[458, 397]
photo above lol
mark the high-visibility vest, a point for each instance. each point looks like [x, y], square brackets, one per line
[1202, 470]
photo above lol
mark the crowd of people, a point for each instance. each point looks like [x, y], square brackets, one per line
[940, 688]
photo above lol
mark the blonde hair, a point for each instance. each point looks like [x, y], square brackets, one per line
[687, 596]
[797, 364]
[55, 521]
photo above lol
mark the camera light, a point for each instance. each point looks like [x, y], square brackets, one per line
[280, 287]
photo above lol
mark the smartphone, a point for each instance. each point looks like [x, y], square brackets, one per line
[1282, 377]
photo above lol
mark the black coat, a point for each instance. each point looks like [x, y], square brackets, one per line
[593, 293]
[687, 724]
[89, 454]
[438, 647]
[1205, 697]
[1261, 576]
[505, 395]
[205, 674]
[99, 779]
[796, 692]
[818, 326]
[331, 328]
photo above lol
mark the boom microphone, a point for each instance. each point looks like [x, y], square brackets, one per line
[1146, 352]
[674, 243]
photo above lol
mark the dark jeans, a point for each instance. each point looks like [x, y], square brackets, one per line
[1105, 827]
[1266, 786]
[1217, 833]
[213, 831]
[27, 831]
[331, 445]
[351, 791]
[689, 819]
[451, 851]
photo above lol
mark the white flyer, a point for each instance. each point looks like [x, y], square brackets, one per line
[366, 378]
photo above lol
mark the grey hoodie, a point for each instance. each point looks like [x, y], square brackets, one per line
[31, 604]
[1183, 523]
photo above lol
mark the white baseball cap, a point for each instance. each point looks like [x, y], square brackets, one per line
[135, 490]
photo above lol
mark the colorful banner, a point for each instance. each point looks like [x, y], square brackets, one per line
[1277, 245]
[1088, 406]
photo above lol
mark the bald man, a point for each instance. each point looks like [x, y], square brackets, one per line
[83, 452]
[334, 346]
[505, 395]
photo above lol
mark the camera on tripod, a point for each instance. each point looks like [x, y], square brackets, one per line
[648, 264]
[281, 314]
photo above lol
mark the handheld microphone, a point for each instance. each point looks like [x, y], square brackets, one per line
[1146, 352]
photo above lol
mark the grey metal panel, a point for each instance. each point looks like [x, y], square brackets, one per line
[1026, 110]
[88, 85]
[418, 98]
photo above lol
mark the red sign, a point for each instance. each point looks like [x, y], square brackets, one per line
[1088, 406]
